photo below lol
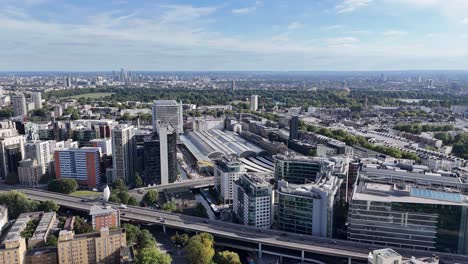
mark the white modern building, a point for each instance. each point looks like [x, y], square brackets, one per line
[123, 152]
[252, 201]
[226, 172]
[254, 102]
[36, 98]
[168, 111]
[19, 105]
[104, 143]
[40, 151]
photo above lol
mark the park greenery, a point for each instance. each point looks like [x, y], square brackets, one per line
[80, 226]
[171, 207]
[65, 186]
[145, 246]
[418, 128]
[28, 232]
[18, 203]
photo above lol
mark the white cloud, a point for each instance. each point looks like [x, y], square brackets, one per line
[181, 13]
[347, 6]
[464, 21]
[246, 10]
[395, 33]
[333, 27]
[295, 25]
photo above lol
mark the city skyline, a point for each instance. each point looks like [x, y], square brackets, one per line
[233, 35]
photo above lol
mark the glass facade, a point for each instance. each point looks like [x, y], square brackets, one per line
[418, 226]
[295, 213]
[300, 171]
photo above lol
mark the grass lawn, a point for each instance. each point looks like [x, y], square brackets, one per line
[90, 95]
[85, 194]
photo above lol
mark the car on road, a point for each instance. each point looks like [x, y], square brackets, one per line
[123, 206]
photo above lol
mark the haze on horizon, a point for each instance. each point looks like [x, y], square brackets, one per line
[202, 35]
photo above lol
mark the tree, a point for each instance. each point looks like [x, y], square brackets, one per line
[227, 257]
[180, 240]
[138, 181]
[199, 249]
[80, 226]
[200, 211]
[131, 232]
[170, 207]
[153, 256]
[132, 201]
[65, 186]
[28, 232]
[124, 197]
[146, 240]
[150, 198]
[119, 184]
[52, 241]
[17, 203]
[48, 206]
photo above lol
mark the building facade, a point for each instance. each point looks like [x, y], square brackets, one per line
[29, 172]
[160, 156]
[90, 248]
[253, 102]
[40, 151]
[82, 164]
[226, 171]
[309, 208]
[123, 153]
[301, 170]
[168, 111]
[104, 217]
[252, 201]
[19, 105]
[36, 98]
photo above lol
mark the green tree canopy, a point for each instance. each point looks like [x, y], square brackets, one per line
[227, 257]
[65, 186]
[17, 203]
[199, 249]
[153, 256]
[81, 226]
[48, 206]
[150, 198]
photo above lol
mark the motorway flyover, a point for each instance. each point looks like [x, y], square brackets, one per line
[303, 245]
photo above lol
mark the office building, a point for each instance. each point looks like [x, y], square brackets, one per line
[68, 82]
[168, 111]
[58, 110]
[40, 151]
[19, 105]
[11, 151]
[390, 256]
[308, 208]
[104, 217]
[29, 172]
[253, 102]
[123, 153]
[294, 127]
[301, 169]
[233, 85]
[36, 98]
[160, 156]
[430, 83]
[227, 170]
[84, 136]
[81, 164]
[252, 201]
[395, 208]
[98, 247]
[104, 143]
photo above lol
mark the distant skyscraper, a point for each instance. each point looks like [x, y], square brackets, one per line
[36, 98]
[40, 151]
[294, 127]
[123, 75]
[168, 111]
[233, 85]
[123, 153]
[68, 82]
[160, 159]
[254, 102]
[430, 83]
[19, 105]
[420, 78]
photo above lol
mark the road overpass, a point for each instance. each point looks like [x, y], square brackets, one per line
[301, 247]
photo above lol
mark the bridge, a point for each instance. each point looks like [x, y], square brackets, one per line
[301, 247]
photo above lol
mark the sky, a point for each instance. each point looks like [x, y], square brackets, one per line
[232, 35]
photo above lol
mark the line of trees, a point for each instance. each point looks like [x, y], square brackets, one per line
[18, 203]
[418, 128]
[147, 251]
[200, 250]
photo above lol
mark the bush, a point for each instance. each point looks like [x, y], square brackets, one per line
[65, 186]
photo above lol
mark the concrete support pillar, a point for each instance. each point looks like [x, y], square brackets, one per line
[281, 259]
[302, 256]
[349, 260]
[164, 229]
[260, 250]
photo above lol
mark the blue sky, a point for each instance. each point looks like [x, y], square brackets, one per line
[233, 34]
